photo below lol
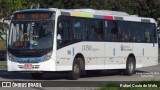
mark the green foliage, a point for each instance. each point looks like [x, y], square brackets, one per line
[146, 8]
[158, 22]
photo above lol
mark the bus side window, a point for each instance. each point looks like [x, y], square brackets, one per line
[78, 30]
[98, 29]
[147, 35]
[113, 30]
[95, 29]
[108, 29]
[63, 31]
[86, 29]
[124, 31]
[137, 32]
[150, 33]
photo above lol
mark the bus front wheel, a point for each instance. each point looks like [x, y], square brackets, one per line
[37, 75]
[130, 67]
[76, 69]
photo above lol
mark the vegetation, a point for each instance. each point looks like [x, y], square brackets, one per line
[147, 8]
[2, 45]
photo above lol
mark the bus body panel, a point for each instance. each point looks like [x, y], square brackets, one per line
[98, 55]
[147, 54]
[116, 54]
[112, 58]
[67, 54]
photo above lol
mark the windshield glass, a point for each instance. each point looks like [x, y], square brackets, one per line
[31, 35]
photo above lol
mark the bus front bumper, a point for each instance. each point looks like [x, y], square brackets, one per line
[41, 66]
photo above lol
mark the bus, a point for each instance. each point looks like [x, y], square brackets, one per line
[76, 40]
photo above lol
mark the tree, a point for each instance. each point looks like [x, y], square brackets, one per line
[8, 6]
[146, 8]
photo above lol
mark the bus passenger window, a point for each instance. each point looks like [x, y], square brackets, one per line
[78, 29]
[63, 31]
[108, 30]
[137, 32]
[150, 34]
[114, 30]
[153, 37]
[147, 36]
[96, 30]
[124, 31]
[99, 30]
[92, 36]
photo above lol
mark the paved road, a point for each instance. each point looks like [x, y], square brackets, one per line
[142, 74]
[146, 73]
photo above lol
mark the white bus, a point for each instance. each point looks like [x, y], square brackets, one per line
[42, 40]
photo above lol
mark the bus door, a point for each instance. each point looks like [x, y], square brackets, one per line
[63, 43]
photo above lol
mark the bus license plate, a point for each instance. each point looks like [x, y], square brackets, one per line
[27, 66]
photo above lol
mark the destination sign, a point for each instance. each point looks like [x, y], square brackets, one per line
[33, 16]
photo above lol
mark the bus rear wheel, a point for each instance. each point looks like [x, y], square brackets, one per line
[37, 75]
[76, 70]
[130, 67]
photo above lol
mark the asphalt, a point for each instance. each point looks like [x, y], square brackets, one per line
[142, 74]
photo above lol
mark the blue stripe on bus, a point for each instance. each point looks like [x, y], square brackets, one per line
[29, 60]
[73, 51]
[113, 51]
[143, 51]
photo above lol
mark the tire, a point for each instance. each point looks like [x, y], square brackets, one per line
[94, 72]
[130, 67]
[37, 75]
[76, 70]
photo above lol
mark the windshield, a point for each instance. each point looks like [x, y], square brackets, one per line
[31, 35]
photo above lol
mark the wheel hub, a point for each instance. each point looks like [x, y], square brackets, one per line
[76, 69]
[131, 66]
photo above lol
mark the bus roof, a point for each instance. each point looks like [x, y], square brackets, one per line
[92, 13]
[106, 14]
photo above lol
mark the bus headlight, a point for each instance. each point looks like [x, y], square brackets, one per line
[48, 56]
